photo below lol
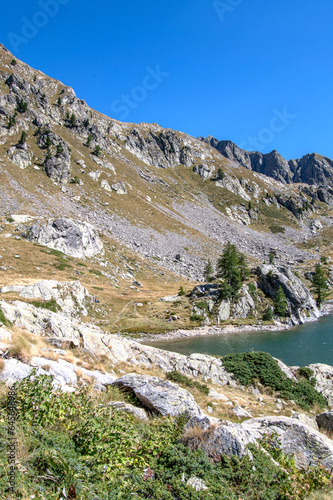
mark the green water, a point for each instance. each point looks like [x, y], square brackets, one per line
[305, 344]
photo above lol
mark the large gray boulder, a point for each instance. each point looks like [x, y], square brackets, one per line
[217, 437]
[302, 306]
[308, 446]
[74, 238]
[19, 156]
[160, 396]
[14, 371]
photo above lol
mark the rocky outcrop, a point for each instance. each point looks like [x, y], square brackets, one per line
[74, 238]
[159, 149]
[307, 445]
[301, 305]
[233, 185]
[205, 171]
[119, 187]
[58, 168]
[159, 396]
[323, 375]
[71, 297]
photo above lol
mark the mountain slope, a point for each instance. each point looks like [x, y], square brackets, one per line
[165, 199]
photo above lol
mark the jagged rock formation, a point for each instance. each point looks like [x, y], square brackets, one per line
[77, 239]
[312, 168]
[302, 306]
[325, 421]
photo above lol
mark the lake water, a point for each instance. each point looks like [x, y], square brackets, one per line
[302, 345]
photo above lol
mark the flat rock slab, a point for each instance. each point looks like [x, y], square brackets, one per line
[160, 396]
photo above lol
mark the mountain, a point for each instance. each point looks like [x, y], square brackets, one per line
[162, 202]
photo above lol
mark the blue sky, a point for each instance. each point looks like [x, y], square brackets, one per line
[257, 72]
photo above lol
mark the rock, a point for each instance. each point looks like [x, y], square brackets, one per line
[217, 438]
[119, 187]
[70, 296]
[316, 225]
[105, 185]
[306, 419]
[324, 380]
[240, 412]
[59, 168]
[196, 483]
[11, 289]
[307, 445]
[74, 238]
[302, 306]
[170, 298]
[61, 370]
[20, 157]
[325, 420]
[245, 304]
[217, 395]
[139, 413]
[160, 396]
[15, 371]
[239, 214]
[205, 171]
[223, 311]
[21, 219]
[5, 335]
[233, 185]
[95, 175]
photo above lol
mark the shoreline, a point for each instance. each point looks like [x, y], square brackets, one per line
[204, 331]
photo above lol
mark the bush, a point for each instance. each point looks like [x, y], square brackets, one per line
[251, 366]
[22, 106]
[179, 378]
[268, 314]
[181, 291]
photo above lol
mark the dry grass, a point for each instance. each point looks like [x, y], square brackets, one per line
[195, 436]
[2, 364]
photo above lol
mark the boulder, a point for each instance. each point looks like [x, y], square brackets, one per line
[223, 312]
[14, 371]
[62, 371]
[119, 187]
[217, 437]
[307, 445]
[245, 304]
[159, 396]
[20, 157]
[306, 419]
[74, 238]
[105, 185]
[205, 171]
[58, 169]
[139, 413]
[325, 421]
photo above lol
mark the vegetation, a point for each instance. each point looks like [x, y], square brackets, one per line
[77, 446]
[13, 62]
[60, 150]
[250, 367]
[11, 121]
[280, 303]
[319, 285]
[89, 139]
[208, 271]
[181, 291]
[72, 121]
[23, 138]
[51, 305]
[232, 269]
[97, 150]
[22, 106]
[179, 378]
[220, 174]
[268, 314]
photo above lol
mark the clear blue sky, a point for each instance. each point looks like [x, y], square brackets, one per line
[228, 69]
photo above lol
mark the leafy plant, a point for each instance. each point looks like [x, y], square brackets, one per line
[179, 378]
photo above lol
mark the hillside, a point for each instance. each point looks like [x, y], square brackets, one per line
[105, 233]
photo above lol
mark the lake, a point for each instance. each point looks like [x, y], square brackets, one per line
[302, 345]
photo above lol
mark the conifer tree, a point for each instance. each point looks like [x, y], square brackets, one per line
[319, 285]
[23, 138]
[208, 271]
[233, 270]
[280, 303]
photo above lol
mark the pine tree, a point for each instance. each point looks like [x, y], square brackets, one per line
[22, 106]
[280, 303]
[90, 138]
[60, 150]
[97, 150]
[23, 138]
[11, 121]
[48, 142]
[48, 155]
[59, 101]
[319, 285]
[268, 314]
[72, 121]
[233, 270]
[208, 271]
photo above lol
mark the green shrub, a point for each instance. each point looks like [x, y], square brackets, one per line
[202, 305]
[268, 314]
[196, 317]
[3, 319]
[181, 291]
[275, 229]
[251, 366]
[51, 305]
[305, 372]
[179, 378]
